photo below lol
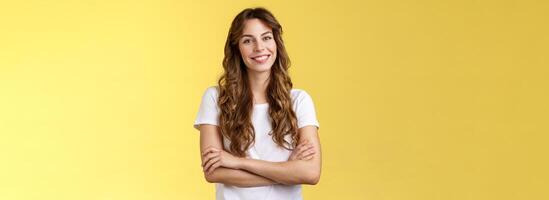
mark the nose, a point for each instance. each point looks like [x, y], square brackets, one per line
[259, 47]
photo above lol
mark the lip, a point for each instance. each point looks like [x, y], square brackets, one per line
[259, 55]
[260, 61]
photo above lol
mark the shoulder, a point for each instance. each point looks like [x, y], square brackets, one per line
[299, 93]
[304, 108]
[210, 94]
[299, 96]
[212, 91]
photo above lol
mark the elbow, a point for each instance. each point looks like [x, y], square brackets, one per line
[210, 178]
[309, 175]
[312, 178]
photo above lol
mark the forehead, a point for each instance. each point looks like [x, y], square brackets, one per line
[255, 27]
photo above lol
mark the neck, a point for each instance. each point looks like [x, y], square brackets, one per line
[258, 85]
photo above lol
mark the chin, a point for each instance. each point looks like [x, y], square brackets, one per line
[261, 68]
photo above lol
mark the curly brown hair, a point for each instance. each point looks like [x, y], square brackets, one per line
[235, 96]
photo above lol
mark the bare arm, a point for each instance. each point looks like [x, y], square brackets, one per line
[211, 137]
[237, 177]
[293, 171]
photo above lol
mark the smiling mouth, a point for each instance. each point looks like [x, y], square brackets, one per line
[261, 59]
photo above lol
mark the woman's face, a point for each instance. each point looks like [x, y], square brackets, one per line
[257, 46]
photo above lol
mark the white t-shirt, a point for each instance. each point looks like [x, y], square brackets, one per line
[264, 148]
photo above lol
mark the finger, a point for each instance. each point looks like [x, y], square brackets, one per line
[308, 157]
[208, 157]
[209, 150]
[205, 159]
[307, 147]
[307, 153]
[296, 151]
[211, 162]
[302, 150]
[301, 146]
[296, 148]
[214, 166]
[299, 149]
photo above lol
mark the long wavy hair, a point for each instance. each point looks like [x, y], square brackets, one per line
[236, 98]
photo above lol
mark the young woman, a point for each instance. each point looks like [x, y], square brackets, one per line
[258, 136]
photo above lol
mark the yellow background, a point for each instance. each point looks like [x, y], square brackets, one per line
[417, 100]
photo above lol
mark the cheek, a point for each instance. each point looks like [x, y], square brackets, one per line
[273, 51]
[272, 46]
[244, 51]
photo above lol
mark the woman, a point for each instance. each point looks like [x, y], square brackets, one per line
[258, 136]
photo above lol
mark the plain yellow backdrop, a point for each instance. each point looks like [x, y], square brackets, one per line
[422, 100]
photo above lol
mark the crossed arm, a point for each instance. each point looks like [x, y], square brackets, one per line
[303, 166]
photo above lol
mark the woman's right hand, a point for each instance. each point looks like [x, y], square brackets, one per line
[303, 151]
[213, 158]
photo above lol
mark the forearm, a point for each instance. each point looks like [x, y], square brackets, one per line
[238, 178]
[287, 173]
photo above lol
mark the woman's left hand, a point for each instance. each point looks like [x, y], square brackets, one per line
[213, 158]
[303, 151]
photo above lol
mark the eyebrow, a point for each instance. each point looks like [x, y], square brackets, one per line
[261, 34]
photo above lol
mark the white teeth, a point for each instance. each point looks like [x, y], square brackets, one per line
[261, 58]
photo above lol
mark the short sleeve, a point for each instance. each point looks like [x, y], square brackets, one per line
[208, 113]
[305, 110]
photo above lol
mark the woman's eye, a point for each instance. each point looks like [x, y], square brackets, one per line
[246, 41]
[267, 38]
